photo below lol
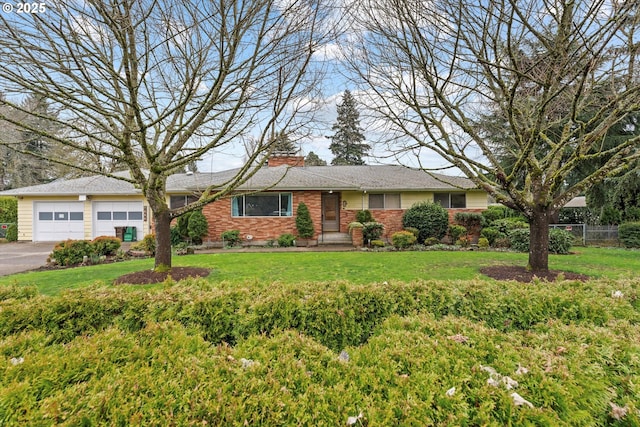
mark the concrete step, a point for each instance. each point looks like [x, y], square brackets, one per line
[334, 239]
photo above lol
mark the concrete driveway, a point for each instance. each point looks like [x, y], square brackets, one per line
[17, 257]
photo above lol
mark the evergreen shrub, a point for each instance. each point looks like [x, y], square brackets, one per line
[197, 226]
[304, 223]
[286, 240]
[456, 231]
[231, 237]
[364, 216]
[560, 241]
[147, 244]
[106, 245]
[403, 239]
[629, 234]
[72, 252]
[431, 220]
[372, 231]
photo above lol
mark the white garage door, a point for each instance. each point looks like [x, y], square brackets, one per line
[57, 221]
[109, 215]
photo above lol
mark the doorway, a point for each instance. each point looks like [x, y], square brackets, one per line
[330, 212]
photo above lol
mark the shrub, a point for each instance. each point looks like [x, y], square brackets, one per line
[483, 243]
[403, 239]
[502, 242]
[364, 216]
[12, 232]
[491, 234]
[304, 224]
[413, 231]
[377, 243]
[629, 234]
[560, 241]
[231, 237]
[197, 226]
[355, 224]
[372, 231]
[72, 252]
[469, 220]
[610, 215]
[632, 214]
[507, 224]
[106, 245]
[493, 213]
[286, 240]
[463, 241]
[519, 239]
[176, 237]
[431, 220]
[8, 210]
[182, 225]
[456, 231]
[430, 241]
[147, 244]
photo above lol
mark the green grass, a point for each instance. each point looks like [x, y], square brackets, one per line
[354, 267]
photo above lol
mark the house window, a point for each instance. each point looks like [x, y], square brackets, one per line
[181, 201]
[451, 200]
[384, 201]
[262, 204]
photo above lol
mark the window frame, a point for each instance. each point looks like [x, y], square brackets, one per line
[384, 201]
[283, 211]
[185, 200]
[449, 199]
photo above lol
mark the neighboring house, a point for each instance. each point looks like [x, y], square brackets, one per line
[262, 208]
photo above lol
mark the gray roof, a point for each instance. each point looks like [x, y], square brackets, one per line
[354, 178]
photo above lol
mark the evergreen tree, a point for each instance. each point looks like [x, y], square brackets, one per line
[282, 144]
[347, 146]
[312, 159]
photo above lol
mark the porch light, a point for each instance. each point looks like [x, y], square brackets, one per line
[344, 204]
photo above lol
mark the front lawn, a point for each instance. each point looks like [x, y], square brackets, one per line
[354, 267]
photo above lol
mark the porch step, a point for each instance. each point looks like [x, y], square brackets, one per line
[334, 239]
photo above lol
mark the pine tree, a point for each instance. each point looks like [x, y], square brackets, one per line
[312, 159]
[282, 144]
[347, 146]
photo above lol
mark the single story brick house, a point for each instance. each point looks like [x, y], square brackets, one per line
[262, 208]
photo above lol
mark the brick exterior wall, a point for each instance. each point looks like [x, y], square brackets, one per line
[392, 220]
[270, 228]
[220, 219]
[285, 160]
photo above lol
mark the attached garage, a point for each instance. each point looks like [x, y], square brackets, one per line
[56, 221]
[109, 215]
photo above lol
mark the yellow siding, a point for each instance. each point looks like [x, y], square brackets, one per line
[354, 200]
[25, 219]
[477, 200]
[410, 198]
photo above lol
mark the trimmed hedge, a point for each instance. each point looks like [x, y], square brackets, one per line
[410, 354]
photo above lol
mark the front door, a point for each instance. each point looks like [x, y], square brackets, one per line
[330, 212]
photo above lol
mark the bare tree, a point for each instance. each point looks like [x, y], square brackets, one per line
[156, 84]
[556, 73]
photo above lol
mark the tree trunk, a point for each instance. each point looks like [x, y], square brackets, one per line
[162, 227]
[539, 241]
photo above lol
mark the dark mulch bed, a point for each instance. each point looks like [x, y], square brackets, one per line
[521, 274]
[147, 277]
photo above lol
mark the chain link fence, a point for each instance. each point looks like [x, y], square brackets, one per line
[591, 234]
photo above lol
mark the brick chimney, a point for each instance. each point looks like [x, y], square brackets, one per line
[287, 160]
